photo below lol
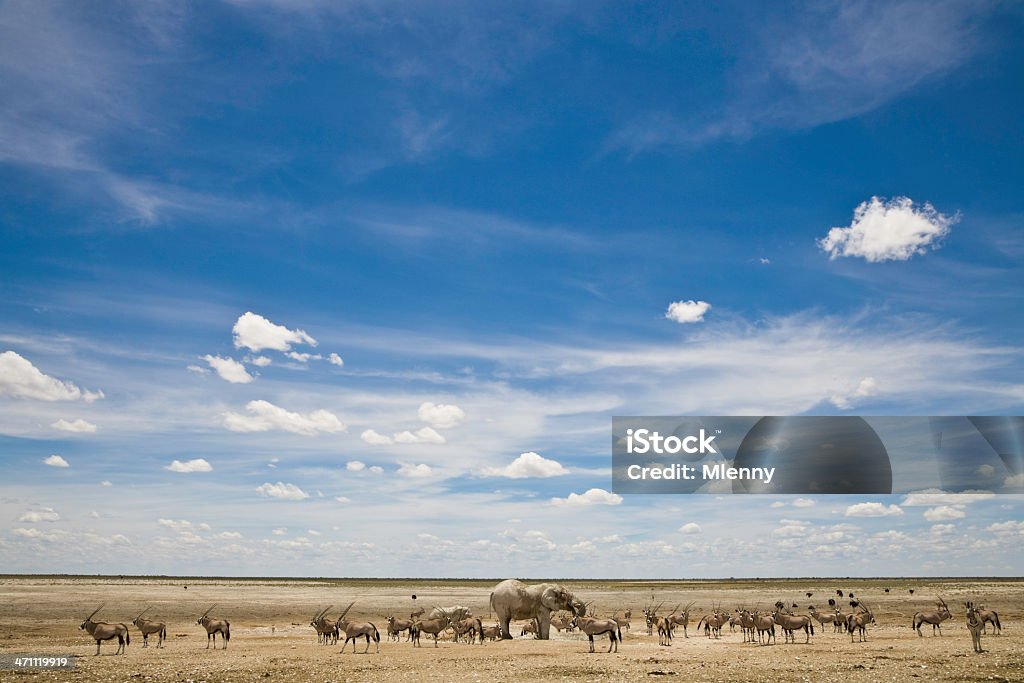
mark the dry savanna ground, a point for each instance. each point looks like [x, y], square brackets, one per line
[272, 640]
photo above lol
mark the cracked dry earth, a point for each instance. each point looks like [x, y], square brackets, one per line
[272, 640]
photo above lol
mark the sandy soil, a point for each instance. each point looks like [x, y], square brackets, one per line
[272, 639]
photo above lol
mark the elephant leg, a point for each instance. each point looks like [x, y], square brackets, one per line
[503, 621]
[543, 625]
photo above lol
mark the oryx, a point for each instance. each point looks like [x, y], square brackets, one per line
[975, 624]
[596, 627]
[103, 631]
[354, 630]
[213, 627]
[433, 627]
[326, 630]
[935, 618]
[146, 627]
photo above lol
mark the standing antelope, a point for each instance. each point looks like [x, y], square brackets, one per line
[681, 619]
[491, 632]
[354, 630]
[664, 626]
[432, 626]
[146, 627]
[326, 630]
[935, 618]
[858, 621]
[396, 626]
[650, 616]
[765, 627]
[416, 614]
[713, 623]
[561, 623]
[213, 627]
[100, 630]
[471, 626]
[989, 616]
[597, 627]
[975, 624]
[790, 623]
[827, 618]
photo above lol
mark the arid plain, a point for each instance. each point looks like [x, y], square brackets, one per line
[272, 640]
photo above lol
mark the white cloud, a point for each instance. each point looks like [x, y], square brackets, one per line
[282, 490]
[764, 261]
[985, 470]
[591, 497]
[424, 435]
[56, 461]
[690, 311]
[1014, 481]
[944, 513]
[528, 465]
[343, 500]
[932, 497]
[259, 361]
[41, 515]
[281, 531]
[335, 359]
[229, 369]
[376, 469]
[943, 529]
[229, 535]
[374, 438]
[195, 369]
[415, 471]
[440, 415]
[803, 503]
[312, 532]
[891, 230]
[303, 357]
[106, 483]
[20, 379]
[1008, 527]
[845, 400]
[266, 416]
[690, 528]
[77, 426]
[355, 466]
[256, 333]
[196, 465]
[777, 504]
[179, 525]
[873, 510]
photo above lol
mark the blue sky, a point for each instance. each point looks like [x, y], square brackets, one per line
[487, 212]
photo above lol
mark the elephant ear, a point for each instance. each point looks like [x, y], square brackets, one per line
[553, 598]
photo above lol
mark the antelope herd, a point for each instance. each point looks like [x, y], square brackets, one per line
[755, 623]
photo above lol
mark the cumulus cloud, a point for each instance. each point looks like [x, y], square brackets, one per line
[985, 470]
[259, 361]
[197, 370]
[343, 500]
[56, 461]
[335, 359]
[266, 416]
[440, 415]
[20, 379]
[282, 491]
[303, 357]
[374, 438]
[944, 513]
[196, 465]
[933, 497]
[1008, 527]
[528, 465]
[1014, 481]
[106, 483]
[376, 469]
[41, 515]
[281, 531]
[415, 471]
[873, 510]
[355, 466]
[424, 435]
[844, 400]
[690, 528]
[179, 525]
[891, 230]
[229, 369]
[78, 426]
[254, 332]
[591, 497]
[803, 503]
[684, 312]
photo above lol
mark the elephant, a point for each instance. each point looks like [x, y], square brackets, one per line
[512, 599]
